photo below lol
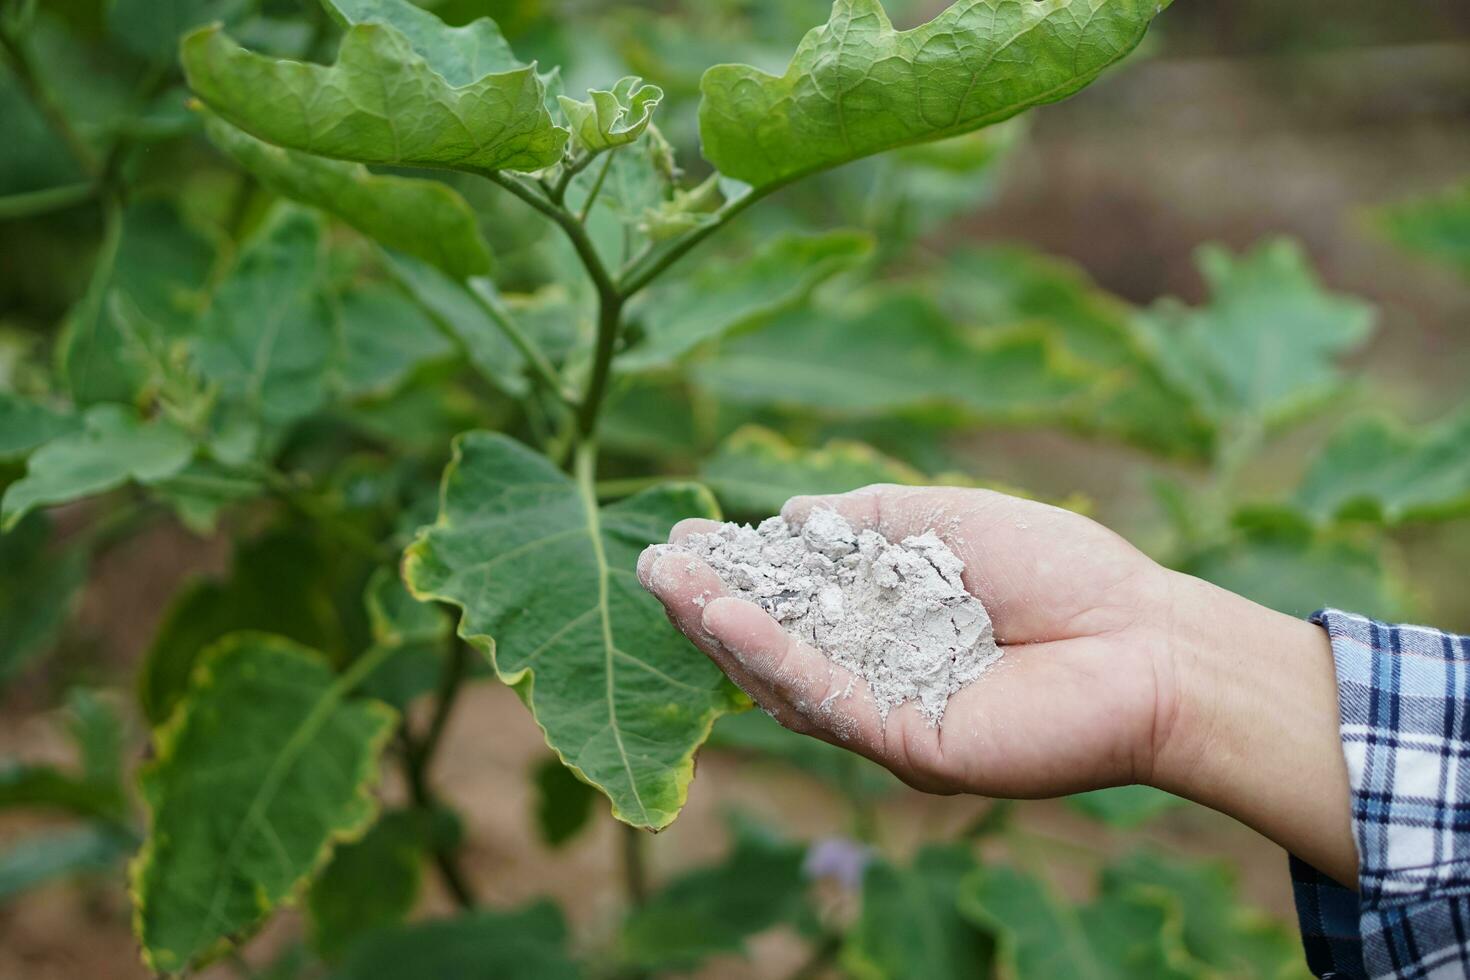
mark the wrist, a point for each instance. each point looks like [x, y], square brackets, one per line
[1253, 727]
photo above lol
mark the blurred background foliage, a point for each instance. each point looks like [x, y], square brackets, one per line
[1218, 301]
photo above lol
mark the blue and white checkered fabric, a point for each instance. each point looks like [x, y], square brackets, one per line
[1404, 700]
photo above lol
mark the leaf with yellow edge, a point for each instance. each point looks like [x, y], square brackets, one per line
[262, 768]
[547, 583]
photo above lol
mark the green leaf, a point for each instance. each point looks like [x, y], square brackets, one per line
[909, 926]
[755, 470]
[40, 858]
[1124, 807]
[525, 944]
[612, 117]
[39, 586]
[997, 286]
[1265, 346]
[151, 28]
[1436, 226]
[714, 910]
[547, 584]
[563, 803]
[416, 634]
[266, 765]
[464, 311]
[370, 884]
[497, 121]
[722, 297]
[385, 337]
[94, 789]
[757, 732]
[113, 448]
[1377, 470]
[201, 491]
[26, 424]
[1040, 937]
[46, 787]
[1296, 571]
[857, 86]
[277, 582]
[423, 218]
[266, 340]
[894, 353]
[153, 268]
[462, 55]
[1215, 928]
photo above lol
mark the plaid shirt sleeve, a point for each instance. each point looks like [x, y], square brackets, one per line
[1404, 701]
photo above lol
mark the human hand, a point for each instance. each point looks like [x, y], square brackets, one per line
[1116, 671]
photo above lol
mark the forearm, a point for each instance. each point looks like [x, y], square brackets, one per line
[1255, 732]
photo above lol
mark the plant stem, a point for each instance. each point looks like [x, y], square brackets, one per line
[634, 280]
[418, 756]
[45, 201]
[596, 190]
[609, 321]
[635, 866]
[613, 489]
[541, 365]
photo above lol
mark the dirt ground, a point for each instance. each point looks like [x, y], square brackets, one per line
[1127, 179]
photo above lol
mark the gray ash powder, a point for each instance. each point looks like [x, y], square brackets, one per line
[896, 615]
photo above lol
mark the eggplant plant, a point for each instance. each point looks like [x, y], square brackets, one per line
[442, 342]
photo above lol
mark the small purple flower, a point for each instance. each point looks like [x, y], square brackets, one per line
[840, 858]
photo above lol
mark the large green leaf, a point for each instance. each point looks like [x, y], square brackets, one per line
[264, 768]
[910, 926]
[756, 471]
[462, 55]
[39, 585]
[891, 354]
[1265, 346]
[1436, 226]
[382, 102]
[26, 423]
[1216, 929]
[421, 217]
[714, 910]
[999, 286]
[277, 583]
[113, 447]
[525, 944]
[266, 340]
[721, 297]
[1377, 470]
[547, 584]
[856, 86]
[370, 884]
[1041, 937]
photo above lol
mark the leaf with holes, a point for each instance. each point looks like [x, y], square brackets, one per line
[265, 767]
[546, 581]
[856, 86]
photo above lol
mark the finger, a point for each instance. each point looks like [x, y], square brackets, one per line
[894, 511]
[859, 507]
[685, 585]
[692, 525]
[825, 699]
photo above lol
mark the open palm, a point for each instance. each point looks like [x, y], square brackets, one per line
[1077, 702]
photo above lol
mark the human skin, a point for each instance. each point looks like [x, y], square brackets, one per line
[1116, 671]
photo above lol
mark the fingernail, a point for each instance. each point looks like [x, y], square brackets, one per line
[646, 561]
